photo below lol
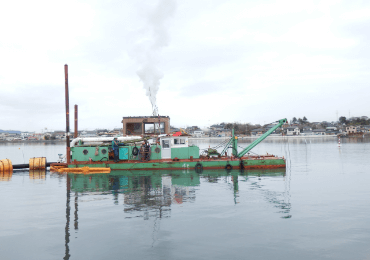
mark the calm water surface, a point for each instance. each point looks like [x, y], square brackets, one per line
[317, 208]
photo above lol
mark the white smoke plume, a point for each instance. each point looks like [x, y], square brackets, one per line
[152, 39]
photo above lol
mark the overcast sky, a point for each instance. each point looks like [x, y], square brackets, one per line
[216, 61]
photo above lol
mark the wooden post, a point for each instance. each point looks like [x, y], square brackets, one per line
[76, 121]
[68, 155]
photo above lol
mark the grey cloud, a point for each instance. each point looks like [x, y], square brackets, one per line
[32, 107]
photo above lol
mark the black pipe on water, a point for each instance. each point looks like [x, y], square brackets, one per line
[24, 166]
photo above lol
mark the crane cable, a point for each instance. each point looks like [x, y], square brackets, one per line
[222, 144]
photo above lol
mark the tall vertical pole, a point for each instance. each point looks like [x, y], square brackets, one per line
[76, 121]
[68, 156]
[234, 143]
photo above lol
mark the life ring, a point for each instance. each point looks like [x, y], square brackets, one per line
[198, 168]
[228, 167]
[135, 151]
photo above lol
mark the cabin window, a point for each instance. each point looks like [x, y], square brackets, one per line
[178, 141]
[154, 128]
[149, 128]
[166, 143]
[159, 128]
[133, 128]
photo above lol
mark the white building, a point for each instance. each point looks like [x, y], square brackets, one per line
[351, 129]
[319, 132]
[292, 130]
[198, 133]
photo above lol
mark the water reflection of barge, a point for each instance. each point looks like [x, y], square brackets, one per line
[151, 194]
[156, 188]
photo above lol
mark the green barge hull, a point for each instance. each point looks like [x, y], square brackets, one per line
[197, 164]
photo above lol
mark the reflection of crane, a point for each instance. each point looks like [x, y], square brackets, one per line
[254, 179]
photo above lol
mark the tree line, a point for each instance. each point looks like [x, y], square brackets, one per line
[357, 121]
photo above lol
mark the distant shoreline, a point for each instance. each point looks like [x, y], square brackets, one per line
[277, 137]
[255, 137]
[206, 138]
[33, 141]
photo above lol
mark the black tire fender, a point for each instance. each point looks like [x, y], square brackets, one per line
[228, 167]
[198, 168]
[135, 151]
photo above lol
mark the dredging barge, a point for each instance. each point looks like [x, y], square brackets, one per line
[168, 152]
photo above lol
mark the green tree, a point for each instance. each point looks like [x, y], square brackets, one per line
[343, 120]
[228, 126]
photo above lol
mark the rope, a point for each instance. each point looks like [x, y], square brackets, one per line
[249, 151]
[218, 146]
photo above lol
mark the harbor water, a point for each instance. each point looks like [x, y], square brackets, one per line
[316, 208]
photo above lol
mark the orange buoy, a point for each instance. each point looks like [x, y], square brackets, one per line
[6, 166]
[37, 163]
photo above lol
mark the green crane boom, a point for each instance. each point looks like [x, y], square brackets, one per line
[252, 145]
